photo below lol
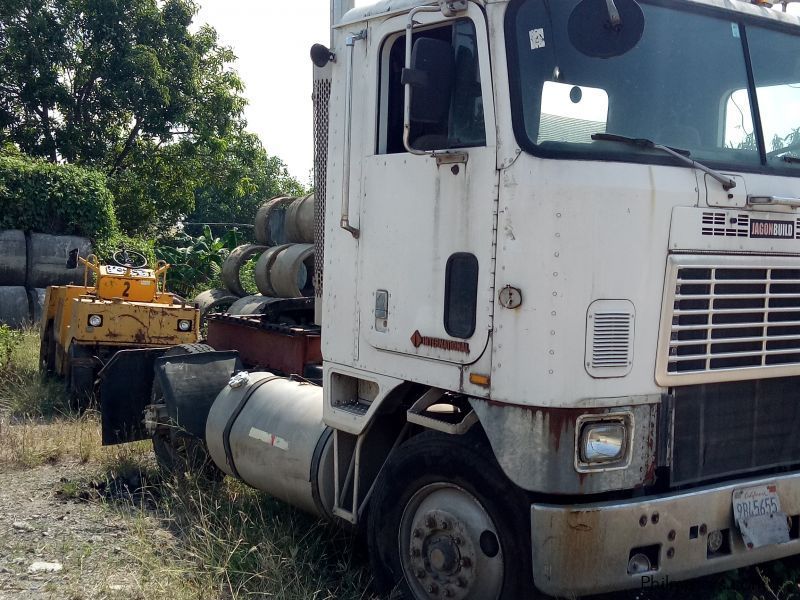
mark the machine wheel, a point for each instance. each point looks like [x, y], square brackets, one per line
[80, 377]
[47, 350]
[178, 452]
[445, 522]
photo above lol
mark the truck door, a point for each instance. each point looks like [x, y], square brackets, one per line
[427, 221]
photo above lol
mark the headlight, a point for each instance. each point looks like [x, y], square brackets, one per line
[603, 442]
[184, 325]
[95, 321]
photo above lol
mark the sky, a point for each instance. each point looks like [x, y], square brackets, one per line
[272, 40]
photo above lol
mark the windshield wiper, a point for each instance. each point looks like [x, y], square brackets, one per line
[790, 159]
[682, 155]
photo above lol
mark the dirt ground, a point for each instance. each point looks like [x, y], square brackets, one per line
[63, 548]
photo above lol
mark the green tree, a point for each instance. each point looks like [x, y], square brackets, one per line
[126, 87]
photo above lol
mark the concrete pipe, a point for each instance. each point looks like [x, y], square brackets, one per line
[13, 257]
[36, 302]
[270, 221]
[300, 220]
[263, 268]
[251, 305]
[292, 275]
[14, 306]
[232, 267]
[48, 258]
[212, 301]
[268, 431]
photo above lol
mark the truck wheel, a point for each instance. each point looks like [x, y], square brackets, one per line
[445, 522]
[178, 452]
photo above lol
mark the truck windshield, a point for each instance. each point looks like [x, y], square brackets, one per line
[684, 85]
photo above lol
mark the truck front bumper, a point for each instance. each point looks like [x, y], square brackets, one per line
[585, 549]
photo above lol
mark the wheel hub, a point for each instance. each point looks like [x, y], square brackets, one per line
[442, 554]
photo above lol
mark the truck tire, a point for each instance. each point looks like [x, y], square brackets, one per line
[443, 514]
[232, 267]
[177, 452]
[270, 225]
[13, 257]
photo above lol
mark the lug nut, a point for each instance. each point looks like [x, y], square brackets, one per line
[445, 524]
[417, 533]
[465, 562]
[655, 518]
[458, 541]
[670, 552]
[430, 522]
[671, 536]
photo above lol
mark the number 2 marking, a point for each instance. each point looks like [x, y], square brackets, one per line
[127, 289]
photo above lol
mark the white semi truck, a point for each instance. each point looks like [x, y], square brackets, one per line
[559, 299]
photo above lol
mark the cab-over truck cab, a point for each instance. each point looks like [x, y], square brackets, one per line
[563, 236]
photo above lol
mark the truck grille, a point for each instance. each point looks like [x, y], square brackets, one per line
[728, 429]
[725, 317]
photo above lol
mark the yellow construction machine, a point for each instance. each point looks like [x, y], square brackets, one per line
[128, 307]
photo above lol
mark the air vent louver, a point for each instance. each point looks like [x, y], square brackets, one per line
[609, 338]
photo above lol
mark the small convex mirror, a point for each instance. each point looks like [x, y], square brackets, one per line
[606, 28]
[72, 259]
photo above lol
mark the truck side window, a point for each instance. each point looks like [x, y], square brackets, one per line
[462, 126]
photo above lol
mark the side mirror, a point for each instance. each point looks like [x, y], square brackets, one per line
[430, 75]
[72, 259]
[606, 28]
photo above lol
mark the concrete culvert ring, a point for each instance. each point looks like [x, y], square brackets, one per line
[214, 301]
[14, 306]
[251, 305]
[14, 263]
[263, 268]
[270, 221]
[232, 267]
[438, 529]
[292, 274]
[300, 220]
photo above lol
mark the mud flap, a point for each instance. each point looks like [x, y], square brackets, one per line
[126, 383]
[191, 382]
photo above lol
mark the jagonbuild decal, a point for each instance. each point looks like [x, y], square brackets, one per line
[772, 229]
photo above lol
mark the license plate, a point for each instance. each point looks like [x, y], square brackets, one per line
[758, 515]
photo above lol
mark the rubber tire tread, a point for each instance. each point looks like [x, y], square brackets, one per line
[466, 461]
[171, 447]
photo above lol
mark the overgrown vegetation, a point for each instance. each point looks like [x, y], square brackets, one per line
[212, 540]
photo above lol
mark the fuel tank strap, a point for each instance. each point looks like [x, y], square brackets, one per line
[226, 433]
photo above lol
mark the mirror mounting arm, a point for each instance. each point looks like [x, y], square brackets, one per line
[408, 91]
[613, 14]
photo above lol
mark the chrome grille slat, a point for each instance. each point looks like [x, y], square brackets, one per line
[738, 318]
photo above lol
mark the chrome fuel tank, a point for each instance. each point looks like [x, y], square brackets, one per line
[267, 431]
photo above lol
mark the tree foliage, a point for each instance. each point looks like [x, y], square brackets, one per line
[128, 88]
[37, 195]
